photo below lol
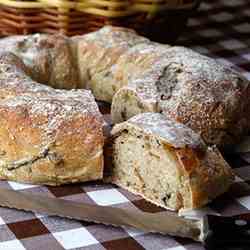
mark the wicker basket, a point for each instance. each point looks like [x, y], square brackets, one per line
[161, 20]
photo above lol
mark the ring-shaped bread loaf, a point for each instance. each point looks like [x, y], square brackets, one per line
[54, 134]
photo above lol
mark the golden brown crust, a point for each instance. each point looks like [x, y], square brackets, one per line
[48, 136]
[208, 97]
[30, 155]
[49, 58]
[207, 173]
[98, 53]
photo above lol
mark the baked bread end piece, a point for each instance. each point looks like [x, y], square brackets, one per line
[51, 139]
[167, 163]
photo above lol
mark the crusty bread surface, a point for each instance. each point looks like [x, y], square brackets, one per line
[48, 136]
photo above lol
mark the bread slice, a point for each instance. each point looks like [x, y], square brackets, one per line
[167, 163]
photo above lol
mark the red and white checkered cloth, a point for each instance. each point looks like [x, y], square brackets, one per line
[221, 29]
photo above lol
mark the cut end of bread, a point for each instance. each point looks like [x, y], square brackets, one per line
[142, 163]
[127, 103]
[169, 176]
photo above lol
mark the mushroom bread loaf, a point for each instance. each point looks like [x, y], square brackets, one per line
[167, 163]
[54, 134]
[137, 75]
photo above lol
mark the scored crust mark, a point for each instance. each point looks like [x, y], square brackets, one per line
[29, 161]
[26, 161]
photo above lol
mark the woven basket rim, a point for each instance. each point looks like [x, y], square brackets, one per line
[111, 8]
